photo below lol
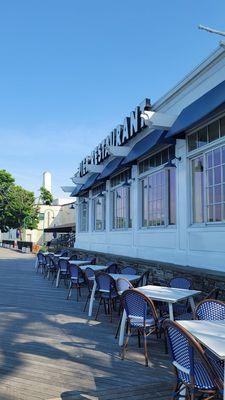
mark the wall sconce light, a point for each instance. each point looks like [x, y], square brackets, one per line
[169, 165]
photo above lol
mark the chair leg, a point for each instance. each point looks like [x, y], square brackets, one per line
[145, 348]
[99, 304]
[77, 287]
[139, 338]
[118, 327]
[70, 291]
[105, 306]
[88, 297]
[110, 308]
[126, 342]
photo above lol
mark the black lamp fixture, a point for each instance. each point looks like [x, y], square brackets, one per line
[72, 207]
[148, 105]
[101, 195]
[84, 201]
[126, 184]
[170, 164]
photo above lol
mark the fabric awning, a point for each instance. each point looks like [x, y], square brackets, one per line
[198, 110]
[90, 182]
[61, 228]
[110, 168]
[76, 190]
[145, 145]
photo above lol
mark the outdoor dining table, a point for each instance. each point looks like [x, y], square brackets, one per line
[165, 294]
[94, 267]
[210, 334]
[130, 278]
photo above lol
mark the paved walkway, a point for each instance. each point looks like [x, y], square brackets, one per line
[49, 350]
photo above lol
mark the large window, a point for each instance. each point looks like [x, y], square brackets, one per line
[208, 186]
[99, 213]
[84, 215]
[159, 199]
[207, 134]
[122, 213]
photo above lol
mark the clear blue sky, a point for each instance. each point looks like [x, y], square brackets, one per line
[70, 70]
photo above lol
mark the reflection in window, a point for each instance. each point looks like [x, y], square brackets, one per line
[122, 212]
[208, 186]
[207, 134]
[159, 199]
[99, 213]
[83, 212]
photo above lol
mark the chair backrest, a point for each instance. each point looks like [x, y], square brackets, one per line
[73, 257]
[180, 283]
[40, 256]
[111, 268]
[128, 270]
[210, 310]
[123, 284]
[143, 280]
[213, 294]
[48, 259]
[105, 282]
[184, 350]
[65, 253]
[63, 265]
[89, 275]
[137, 305]
[75, 271]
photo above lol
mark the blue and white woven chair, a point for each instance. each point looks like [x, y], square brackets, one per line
[41, 261]
[194, 374]
[128, 270]
[108, 293]
[212, 310]
[76, 280]
[141, 316]
[181, 310]
[112, 268]
[64, 272]
[180, 283]
[122, 284]
[143, 280]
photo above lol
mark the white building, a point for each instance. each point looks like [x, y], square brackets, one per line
[133, 202]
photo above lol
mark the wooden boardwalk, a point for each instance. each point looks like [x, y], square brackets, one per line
[50, 351]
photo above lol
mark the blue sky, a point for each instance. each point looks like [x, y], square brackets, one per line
[70, 70]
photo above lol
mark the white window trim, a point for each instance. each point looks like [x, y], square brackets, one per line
[79, 219]
[94, 198]
[127, 228]
[202, 151]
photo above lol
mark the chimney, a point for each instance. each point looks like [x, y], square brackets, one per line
[47, 181]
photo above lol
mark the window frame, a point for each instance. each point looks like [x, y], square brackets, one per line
[129, 199]
[203, 151]
[80, 215]
[94, 199]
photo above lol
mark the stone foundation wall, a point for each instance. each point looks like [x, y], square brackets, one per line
[161, 273]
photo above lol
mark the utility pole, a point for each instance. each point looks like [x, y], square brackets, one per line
[207, 29]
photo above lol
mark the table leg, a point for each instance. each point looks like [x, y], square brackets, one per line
[92, 299]
[57, 278]
[192, 303]
[122, 328]
[171, 311]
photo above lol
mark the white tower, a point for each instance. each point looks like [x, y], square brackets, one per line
[47, 181]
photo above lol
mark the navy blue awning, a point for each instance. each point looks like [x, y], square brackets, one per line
[76, 191]
[110, 168]
[91, 180]
[198, 110]
[145, 145]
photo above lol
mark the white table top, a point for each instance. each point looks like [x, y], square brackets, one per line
[126, 276]
[210, 333]
[64, 258]
[93, 267]
[167, 294]
[80, 262]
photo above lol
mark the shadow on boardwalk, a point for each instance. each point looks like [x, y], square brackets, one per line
[49, 350]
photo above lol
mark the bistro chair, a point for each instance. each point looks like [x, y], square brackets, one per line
[64, 253]
[192, 367]
[122, 284]
[41, 261]
[64, 273]
[76, 280]
[141, 316]
[48, 265]
[128, 270]
[143, 280]
[180, 283]
[107, 291]
[210, 310]
[181, 310]
[112, 268]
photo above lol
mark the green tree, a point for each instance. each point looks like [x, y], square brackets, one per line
[16, 204]
[46, 196]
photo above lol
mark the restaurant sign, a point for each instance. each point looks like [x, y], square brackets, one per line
[117, 137]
